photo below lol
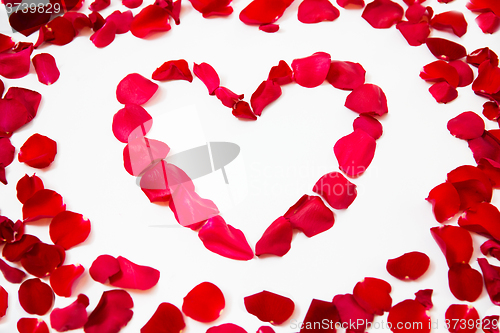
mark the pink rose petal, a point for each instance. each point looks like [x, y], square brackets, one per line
[111, 313]
[189, 208]
[443, 92]
[346, 75]
[368, 124]
[367, 98]
[276, 239]
[166, 319]
[208, 76]
[267, 92]
[355, 152]
[38, 151]
[270, 307]
[140, 153]
[451, 20]
[264, 11]
[336, 190]
[445, 49]
[311, 71]
[64, 277]
[35, 297]
[310, 215]
[454, 242]
[466, 284]
[315, 11]
[373, 295]
[163, 179]
[204, 303]
[409, 266]
[173, 70]
[46, 68]
[44, 203]
[150, 19]
[131, 122]
[382, 14]
[135, 89]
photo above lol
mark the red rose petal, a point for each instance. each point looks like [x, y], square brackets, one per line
[351, 314]
[189, 208]
[27, 23]
[79, 21]
[269, 28]
[445, 49]
[150, 19]
[467, 125]
[355, 152]
[482, 218]
[131, 122]
[58, 31]
[281, 74]
[44, 203]
[409, 266]
[46, 68]
[492, 170]
[111, 313]
[132, 3]
[488, 22]
[369, 125]
[382, 14]
[491, 247]
[6, 43]
[121, 20]
[488, 79]
[311, 71]
[336, 190]
[466, 284]
[489, 324]
[204, 303]
[98, 5]
[458, 315]
[7, 152]
[440, 70]
[424, 297]
[11, 274]
[68, 229]
[42, 259]
[166, 319]
[133, 276]
[454, 242]
[267, 92]
[173, 70]
[264, 11]
[265, 329]
[226, 328]
[104, 36]
[491, 110]
[486, 147]
[346, 75]
[35, 297]
[4, 301]
[10, 232]
[465, 73]
[72, 317]
[27, 186]
[443, 92]
[15, 251]
[417, 13]
[103, 268]
[451, 20]
[315, 11]
[140, 153]
[32, 325]
[13, 115]
[63, 278]
[409, 316]
[367, 98]
[38, 151]
[96, 20]
[15, 65]
[243, 111]
[415, 33]
[276, 239]
[484, 5]
[373, 295]
[318, 311]
[269, 307]
[29, 98]
[208, 76]
[476, 57]
[310, 215]
[135, 89]
[223, 239]
[491, 280]
[213, 7]
[348, 4]
[227, 97]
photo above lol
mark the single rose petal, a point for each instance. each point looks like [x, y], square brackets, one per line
[208, 76]
[166, 319]
[223, 239]
[310, 215]
[111, 313]
[173, 70]
[489, 22]
[104, 36]
[243, 111]
[213, 7]
[491, 247]
[11, 274]
[491, 276]
[267, 92]
[488, 79]
[440, 70]
[424, 297]
[355, 152]
[311, 71]
[466, 284]
[46, 68]
[408, 314]
[13, 115]
[451, 20]
[465, 73]
[79, 21]
[10, 232]
[369, 125]
[32, 325]
[227, 97]
[491, 110]
[27, 186]
[131, 122]
[276, 239]
[38, 151]
[29, 98]
[35, 297]
[443, 92]
[7, 152]
[42, 259]
[226, 328]
[6, 43]
[44, 203]
[269, 307]
[417, 13]
[15, 65]
[456, 314]
[351, 312]
[122, 21]
[150, 19]
[269, 28]
[103, 268]
[64, 277]
[336, 190]
[315, 11]
[264, 11]
[367, 98]
[72, 317]
[204, 303]
[135, 89]
[489, 324]
[476, 57]
[445, 49]
[318, 311]
[348, 4]
[133, 276]
[15, 251]
[98, 5]
[482, 218]
[132, 3]
[281, 74]
[68, 229]
[454, 242]
[373, 295]
[409, 266]
[415, 33]
[492, 170]
[466, 126]
[58, 31]
[382, 14]
[189, 208]
[346, 75]
[140, 153]
[163, 179]
[486, 147]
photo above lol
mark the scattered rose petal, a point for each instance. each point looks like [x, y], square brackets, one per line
[10, 232]
[7, 152]
[111, 313]
[310, 215]
[104, 36]
[454, 242]
[11, 274]
[424, 297]
[491, 110]
[491, 247]
[4, 301]
[227, 97]
[443, 92]
[476, 57]
[46, 68]
[269, 28]
[63, 278]
[440, 70]
[491, 280]
[417, 13]
[6, 43]
[281, 74]
[355, 152]
[466, 284]
[208, 76]
[135, 89]
[173, 70]
[226, 328]
[489, 324]
[415, 33]
[488, 79]
[96, 20]
[104, 267]
[29, 98]
[223, 239]
[492, 170]
[132, 3]
[15, 251]
[72, 317]
[311, 71]
[38, 151]
[336, 190]
[98, 5]
[458, 315]
[482, 218]
[189, 208]
[68, 229]
[213, 7]
[58, 31]
[150, 19]
[133, 276]
[315, 11]
[351, 312]
[264, 11]
[267, 92]
[166, 319]
[27, 23]
[486, 147]
[409, 266]
[351, 3]
[409, 313]
[15, 65]
[32, 325]
[13, 115]
[243, 111]
[265, 329]
[367, 98]
[131, 122]
[445, 49]
[488, 22]
[369, 125]
[318, 311]
[451, 20]
[44, 203]
[346, 75]
[276, 239]
[35, 297]
[466, 126]
[42, 259]
[484, 5]
[79, 21]
[27, 186]
[382, 14]
[140, 153]
[465, 73]
[373, 295]
[122, 21]
[270, 307]
[204, 303]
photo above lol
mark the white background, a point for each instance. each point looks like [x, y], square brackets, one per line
[284, 153]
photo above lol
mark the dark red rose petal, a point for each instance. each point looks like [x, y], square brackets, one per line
[311, 71]
[310, 215]
[121, 20]
[443, 92]
[488, 79]
[424, 297]
[204, 303]
[491, 110]
[135, 89]
[10, 232]
[140, 153]
[131, 122]
[133, 276]
[267, 92]
[132, 3]
[476, 57]
[79, 21]
[27, 186]
[269, 28]
[35, 297]
[11, 274]
[451, 20]
[15, 65]
[44, 203]
[315, 11]
[150, 19]
[281, 74]
[46, 68]
[318, 311]
[111, 313]
[103, 268]
[189, 208]
[492, 170]
[213, 7]
[351, 314]
[346, 75]
[223, 239]
[29, 98]
[243, 111]
[368, 124]
[98, 5]
[276, 239]
[173, 70]
[355, 152]
[2, 87]
[59, 31]
[440, 70]
[415, 33]
[27, 23]
[410, 314]
[482, 218]
[42, 259]
[491, 280]
[465, 73]
[63, 278]
[367, 98]
[226, 328]
[227, 97]
[454, 242]
[445, 49]
[269, 307]
[489, 324]
[13, 115]
[104, 36]
[68, 229]
[166, 319]
[467, 125]
[382, 14]
[96, 20]
[466, 284]
[409, 266]
[491, 247]
[208, 76]
[373, 295]
[32, 325]
[336, 190]
[7, 152]
[72, 317]
[6, 43]
[15, 251]
[38, 151]
[488, 22]
[460, 318]
[264, 11]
